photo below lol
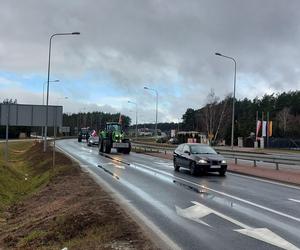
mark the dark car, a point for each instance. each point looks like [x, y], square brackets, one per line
[84, 133]
[198, 158]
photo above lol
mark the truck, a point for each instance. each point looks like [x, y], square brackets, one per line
[113, 137]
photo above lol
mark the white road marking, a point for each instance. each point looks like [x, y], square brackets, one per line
[267, 181]
[194, 213]
[198, 211]
[224, 194]
[294, 200]
[268, 236]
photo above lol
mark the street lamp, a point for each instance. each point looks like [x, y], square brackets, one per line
[47, 102]
[44, 101]
[156, 107]
[233, 101]
[136, 119]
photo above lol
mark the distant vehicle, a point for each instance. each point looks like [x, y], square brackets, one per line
[93, 139]
[161, 139]
[114, 137]
[84, 133]
[173, 141]
[198, 158]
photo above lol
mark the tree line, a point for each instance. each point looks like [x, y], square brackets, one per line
[215, 117]
[94, 120]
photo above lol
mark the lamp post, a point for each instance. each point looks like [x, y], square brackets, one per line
[44, 89]
[136, 119]
[44, 101]
[156, 107]
[233, 101]
[47, 100]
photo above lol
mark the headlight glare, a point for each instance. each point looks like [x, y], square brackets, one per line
[202, 161]
[223, 162]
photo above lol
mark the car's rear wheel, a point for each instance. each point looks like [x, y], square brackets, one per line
[193, 168]
[126, 151]
[106, 147]
[176, 166]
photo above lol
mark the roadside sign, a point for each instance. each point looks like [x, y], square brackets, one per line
[30, 115]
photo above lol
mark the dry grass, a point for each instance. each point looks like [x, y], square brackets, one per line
[68, 210]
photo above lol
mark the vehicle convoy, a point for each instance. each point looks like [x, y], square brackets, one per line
[198, 158]
[84, 133]
[113, 137]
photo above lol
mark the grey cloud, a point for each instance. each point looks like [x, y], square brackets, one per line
[137, 42]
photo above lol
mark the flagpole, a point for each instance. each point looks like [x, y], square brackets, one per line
[268, 121]
[256, 138]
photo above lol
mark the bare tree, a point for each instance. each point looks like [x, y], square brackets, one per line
[223, 108]
[283, 117]
[210, 112]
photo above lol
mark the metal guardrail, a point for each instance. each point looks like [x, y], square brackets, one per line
[249, 156]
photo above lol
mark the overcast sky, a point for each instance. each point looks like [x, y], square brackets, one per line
[168, 45]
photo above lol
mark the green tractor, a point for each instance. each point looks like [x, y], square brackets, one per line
[113, 137]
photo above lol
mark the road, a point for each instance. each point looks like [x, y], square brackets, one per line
[207, 212]
[288, 160]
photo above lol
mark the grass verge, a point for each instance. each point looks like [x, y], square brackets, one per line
[66, 210]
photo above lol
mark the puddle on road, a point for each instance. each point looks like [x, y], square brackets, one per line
[189, 187]
[206, 195]
[202, 191]
[114, 159]
[151, 172]
[109, 172]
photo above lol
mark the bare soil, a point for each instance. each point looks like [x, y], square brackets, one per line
[71, 211]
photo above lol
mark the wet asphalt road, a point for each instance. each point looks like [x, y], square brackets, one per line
[205, 212]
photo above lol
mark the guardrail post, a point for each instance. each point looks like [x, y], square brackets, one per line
[277, 166]
[235, 160]
[254, 163]
[165, 152]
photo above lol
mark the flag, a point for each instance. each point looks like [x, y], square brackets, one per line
[270, 128]
[264, 128]
[94, 133]
[258, 126]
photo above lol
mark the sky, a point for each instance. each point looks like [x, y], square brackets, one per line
[166, 45]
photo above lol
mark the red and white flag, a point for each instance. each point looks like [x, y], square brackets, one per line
[258, 127]
[94, 133]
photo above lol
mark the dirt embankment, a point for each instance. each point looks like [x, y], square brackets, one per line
[69, 210]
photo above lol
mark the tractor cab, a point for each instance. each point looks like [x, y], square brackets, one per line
[113, 126]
